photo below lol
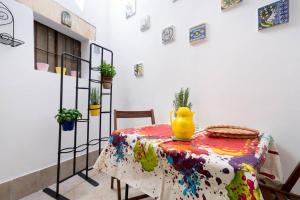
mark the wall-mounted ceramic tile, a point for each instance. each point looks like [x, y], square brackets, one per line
[130, 8]
[273, 14]
[197, 33]
[145, 23]
[229, 3]
[168, 35]
[139, 70]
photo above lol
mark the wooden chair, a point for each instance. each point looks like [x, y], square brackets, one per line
[130, 114]
[284, 192]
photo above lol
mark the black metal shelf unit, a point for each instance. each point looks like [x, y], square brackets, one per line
[96, 69]
[7, 20]
[89, 142]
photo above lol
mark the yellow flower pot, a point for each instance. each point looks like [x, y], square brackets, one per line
[58, 70]
[95, 110]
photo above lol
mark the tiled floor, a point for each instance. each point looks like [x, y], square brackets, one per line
[78, 189]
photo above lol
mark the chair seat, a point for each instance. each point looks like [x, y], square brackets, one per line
[270, 193]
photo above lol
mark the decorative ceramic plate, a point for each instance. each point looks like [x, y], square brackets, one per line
[228, 131]
[182, 140]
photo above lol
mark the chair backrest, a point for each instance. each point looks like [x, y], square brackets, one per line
[133, 114]
[292, 180]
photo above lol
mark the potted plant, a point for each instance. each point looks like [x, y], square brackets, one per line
[95, 102]
[182, 98]
[42, 66]
[74, 73]
[58, 70]
[67, 117]
[107, 73]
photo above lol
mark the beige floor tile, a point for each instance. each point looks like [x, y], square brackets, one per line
[69, 184]
[38, 196]
[78, 189]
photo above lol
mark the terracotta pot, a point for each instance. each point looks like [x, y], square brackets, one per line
[107, 82]
[42, 66]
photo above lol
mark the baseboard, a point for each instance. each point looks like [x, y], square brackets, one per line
[33, 182]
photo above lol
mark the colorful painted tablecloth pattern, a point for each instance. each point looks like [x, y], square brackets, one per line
[204, 168]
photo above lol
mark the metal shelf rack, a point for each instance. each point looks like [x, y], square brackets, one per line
[84, 173]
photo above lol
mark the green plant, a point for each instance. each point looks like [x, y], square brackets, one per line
[181, 99]
[67, 115]
[107, 70]
[95, 96]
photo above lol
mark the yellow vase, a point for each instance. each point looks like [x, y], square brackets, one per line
[183, 126]
[95, 110]
[58, 70]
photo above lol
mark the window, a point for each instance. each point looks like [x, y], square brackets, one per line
[50, 44]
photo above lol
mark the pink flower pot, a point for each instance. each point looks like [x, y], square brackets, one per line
[74, 73]
[42, 66]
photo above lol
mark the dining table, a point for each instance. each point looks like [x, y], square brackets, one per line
[207, 168]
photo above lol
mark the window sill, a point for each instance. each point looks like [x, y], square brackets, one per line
[58, 75]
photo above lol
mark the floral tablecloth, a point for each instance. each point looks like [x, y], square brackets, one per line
[204, 168]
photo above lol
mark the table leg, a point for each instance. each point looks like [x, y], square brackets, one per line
[119, 189]
[112, 183]
[126, 192]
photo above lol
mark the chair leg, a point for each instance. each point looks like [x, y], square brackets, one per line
[126, 192]
[112, 183]
[119, 189]
[280, 196]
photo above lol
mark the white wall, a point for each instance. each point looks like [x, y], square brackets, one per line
[30, 99]
[237, 76]
[94, 12]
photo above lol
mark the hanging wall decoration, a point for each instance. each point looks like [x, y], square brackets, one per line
[139, 70]
[229, 3]
[273, 14]
[66, 19]
[130, 8]
[168, 35]
[145, 23]
[7, 27]
[197, 33]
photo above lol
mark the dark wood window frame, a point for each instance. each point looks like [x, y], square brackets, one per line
[61, 43]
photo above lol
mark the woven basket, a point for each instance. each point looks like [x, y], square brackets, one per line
[229, 131]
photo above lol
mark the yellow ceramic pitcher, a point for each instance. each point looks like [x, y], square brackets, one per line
[183, 126]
